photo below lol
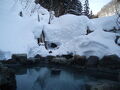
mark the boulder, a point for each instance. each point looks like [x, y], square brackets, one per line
[92, 61]
[38, 56]
[11, 61]
[21, 58]
[59, 60]
[80, 60]
[111, 61]
[50, 57]
[69, 56]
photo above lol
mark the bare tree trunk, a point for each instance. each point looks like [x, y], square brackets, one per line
[38, 18]
[50, 12]
[49, 17]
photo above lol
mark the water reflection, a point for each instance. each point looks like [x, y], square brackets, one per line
[56, 79]
[45, 79]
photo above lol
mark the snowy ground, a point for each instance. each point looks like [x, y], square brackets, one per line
[18, 34]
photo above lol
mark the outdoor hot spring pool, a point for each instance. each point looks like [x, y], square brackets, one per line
[43, 78]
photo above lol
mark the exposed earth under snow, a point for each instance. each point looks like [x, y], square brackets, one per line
[69, 32]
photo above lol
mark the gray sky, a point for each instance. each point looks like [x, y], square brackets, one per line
[96, 5]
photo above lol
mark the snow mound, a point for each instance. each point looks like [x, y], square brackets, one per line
[66, 28]
[87, 46]
[70, 32]
[106, 23]
[37, 50]
[16, 33]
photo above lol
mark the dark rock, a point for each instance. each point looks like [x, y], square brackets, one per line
[50, 57]
[69, 56]
[53, 45]
[50, 51]
[92, 61]
[38, 56]
[80, 60]
[88, 31]
[10, 61]
[21, 14]
[59, 61]
[21, 58]
[111, 61]
[30, 62]
[117, 39]
[42, 60]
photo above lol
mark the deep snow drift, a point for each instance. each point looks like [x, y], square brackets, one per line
[18, 34]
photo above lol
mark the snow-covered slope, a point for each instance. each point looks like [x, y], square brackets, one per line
[15, 32]
[18, 34]
[70, 31]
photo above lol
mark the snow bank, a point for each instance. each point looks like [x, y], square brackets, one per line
[105, 23]
[94, 44]
[18, 34]
[71, 30]
[66, 27]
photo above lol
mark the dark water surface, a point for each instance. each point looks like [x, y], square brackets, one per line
[43, 78]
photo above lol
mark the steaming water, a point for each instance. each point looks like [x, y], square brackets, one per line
[46, 79]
